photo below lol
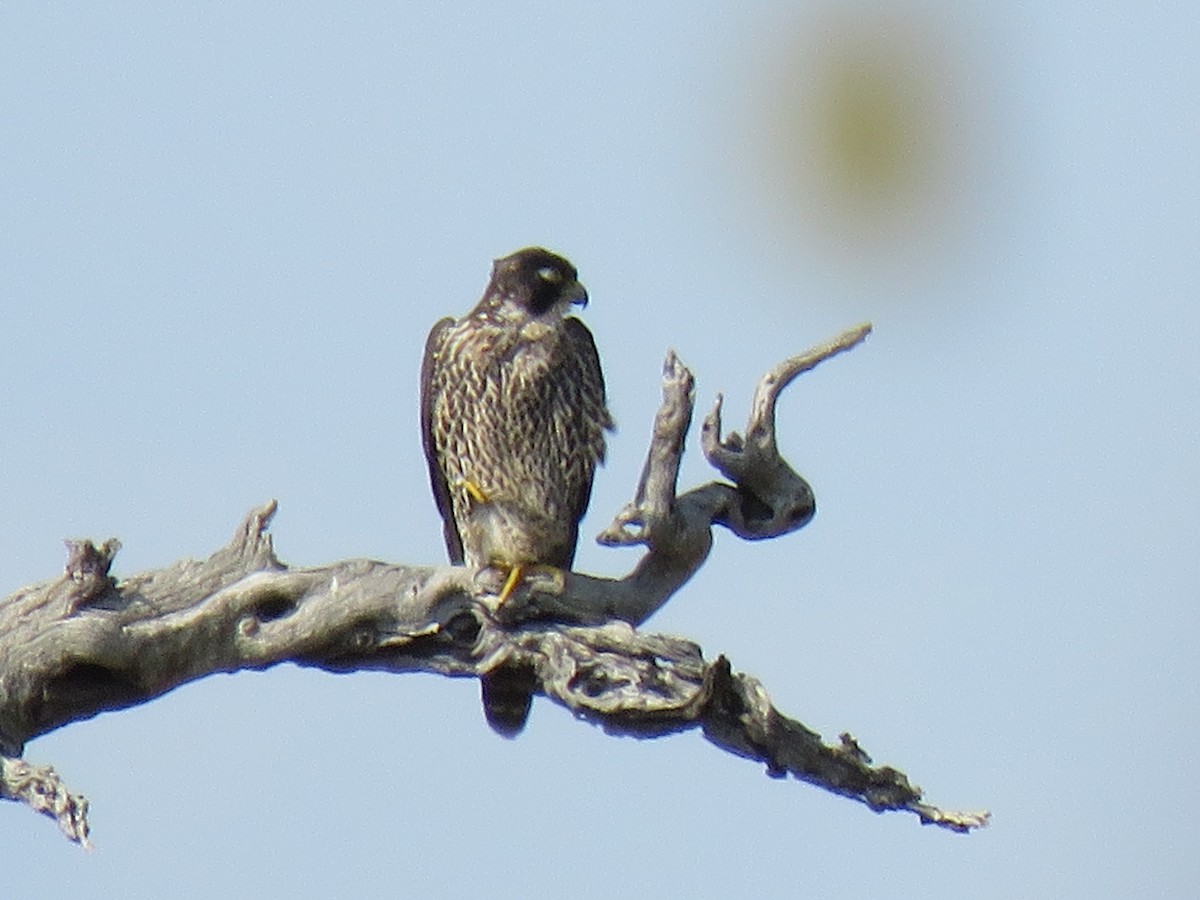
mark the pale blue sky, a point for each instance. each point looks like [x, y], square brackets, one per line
[226, 228]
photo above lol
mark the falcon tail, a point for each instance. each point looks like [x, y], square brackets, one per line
[507, 695]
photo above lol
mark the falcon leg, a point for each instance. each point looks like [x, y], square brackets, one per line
[510, 583]
[473, 489]
[540, 578]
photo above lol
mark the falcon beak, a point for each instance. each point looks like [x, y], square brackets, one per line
[575, 294]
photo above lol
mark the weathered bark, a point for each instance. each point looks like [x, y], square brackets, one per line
[84, 643]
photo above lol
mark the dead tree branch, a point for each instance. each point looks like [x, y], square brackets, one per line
[85, 643]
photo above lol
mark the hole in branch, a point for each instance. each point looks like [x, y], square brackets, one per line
[462, 628]
[274, 606]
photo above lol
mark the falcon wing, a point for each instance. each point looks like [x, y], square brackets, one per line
[593, 415]
[437, 475]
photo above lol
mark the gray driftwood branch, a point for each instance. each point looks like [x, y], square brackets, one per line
[87, 643]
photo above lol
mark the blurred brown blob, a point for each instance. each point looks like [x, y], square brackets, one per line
[871, 125]
[861, 136]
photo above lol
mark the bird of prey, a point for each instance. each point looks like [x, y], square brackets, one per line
[513, 417]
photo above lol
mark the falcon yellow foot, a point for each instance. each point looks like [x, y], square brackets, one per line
[473, 489]
[510, 583]
[547, 579]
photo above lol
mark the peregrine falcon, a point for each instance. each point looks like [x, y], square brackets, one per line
[513, 417]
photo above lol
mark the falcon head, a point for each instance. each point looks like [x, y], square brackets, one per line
[535, 282]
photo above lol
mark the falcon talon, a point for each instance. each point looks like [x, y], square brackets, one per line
[488, 580]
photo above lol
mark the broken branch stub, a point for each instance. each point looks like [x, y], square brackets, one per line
[772, 499]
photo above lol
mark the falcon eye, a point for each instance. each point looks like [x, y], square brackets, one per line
[550, 274]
